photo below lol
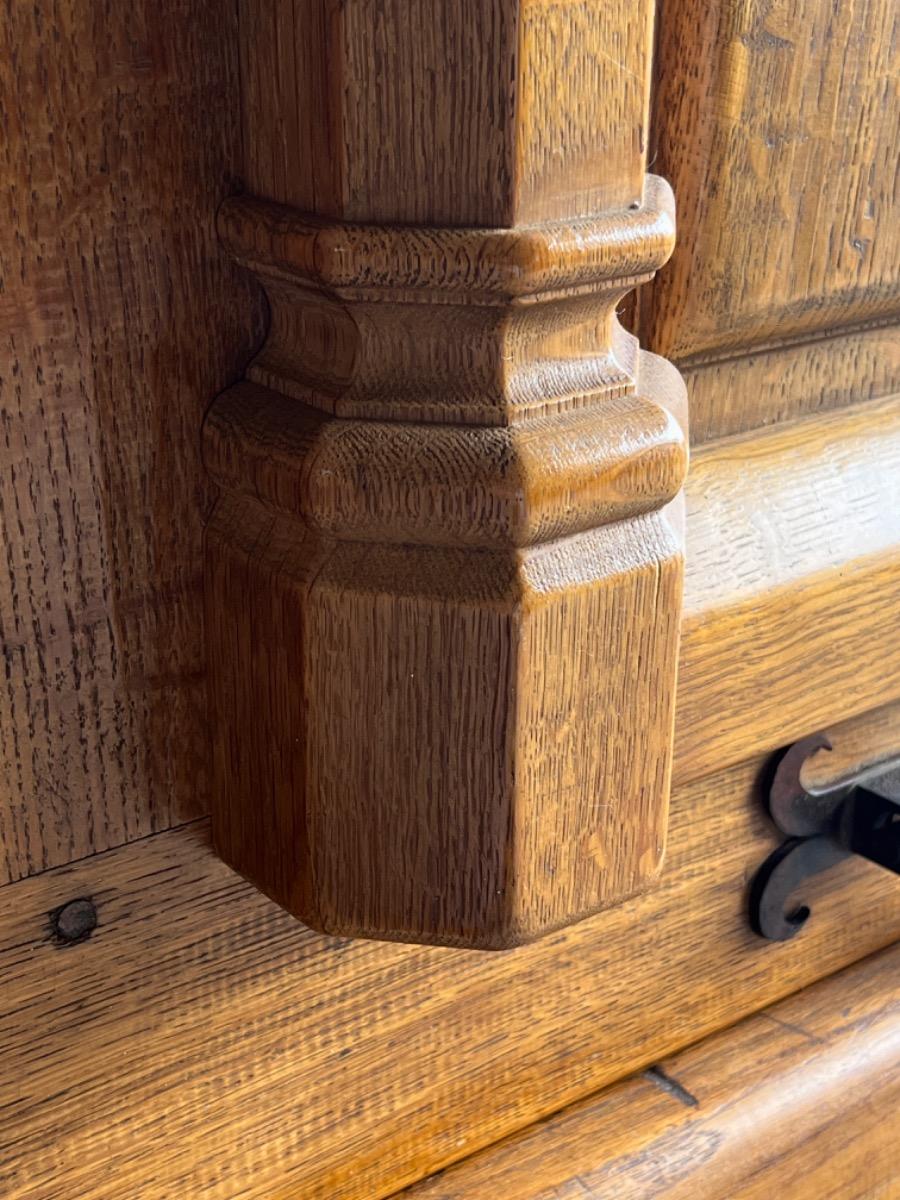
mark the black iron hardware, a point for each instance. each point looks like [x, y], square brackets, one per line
[861, 816]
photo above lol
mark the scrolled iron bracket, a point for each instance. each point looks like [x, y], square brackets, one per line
[824, 826]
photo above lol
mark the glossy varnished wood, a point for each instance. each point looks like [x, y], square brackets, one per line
[119, 318]
[796, 1101]
[444, 579]
[293, 1065]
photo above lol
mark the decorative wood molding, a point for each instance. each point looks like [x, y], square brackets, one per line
[443, 577]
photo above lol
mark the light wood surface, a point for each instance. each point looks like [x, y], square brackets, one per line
[797, 1101]
[201, 1043]
[443, 668]
[793, 584]
[119, 319]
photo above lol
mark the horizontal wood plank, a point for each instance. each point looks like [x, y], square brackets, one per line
[787, 382]
[796, 1101]
[792, 584]
[203, 1043]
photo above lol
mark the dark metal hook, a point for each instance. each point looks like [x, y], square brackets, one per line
[795, 861]
[824, 827]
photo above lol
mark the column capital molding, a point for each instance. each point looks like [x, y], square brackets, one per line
[517, 265]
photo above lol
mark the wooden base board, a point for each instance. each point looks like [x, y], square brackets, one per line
[798, 1101]
[202, 1043]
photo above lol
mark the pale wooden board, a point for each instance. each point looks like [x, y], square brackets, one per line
[792, 584]
[798, 1101]
[202, 1043]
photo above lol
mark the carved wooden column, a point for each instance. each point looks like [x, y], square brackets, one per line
[443, 586]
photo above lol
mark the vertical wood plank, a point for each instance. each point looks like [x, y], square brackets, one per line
[119, 317]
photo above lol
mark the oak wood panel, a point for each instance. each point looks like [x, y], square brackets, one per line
[766, 387]
[442, 485]
[583, 92]
[792, 586]
[446, 112]
[202, 1043]
[120, 317]
[426, 768]
[797, 1101]
[792, 578]
[777, 123]
[463, 326]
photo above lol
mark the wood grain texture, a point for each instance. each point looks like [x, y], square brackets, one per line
[793, 584]
[355, 110]
[292, 1065]
[439, 263]
[866, 742]
[407, 737]
[443, 619]
[794, 1101]
[583, 90]
[762, 388]
[450, 485]
[777, 123]
[792, 579]
[468, 326]
[120, 317]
